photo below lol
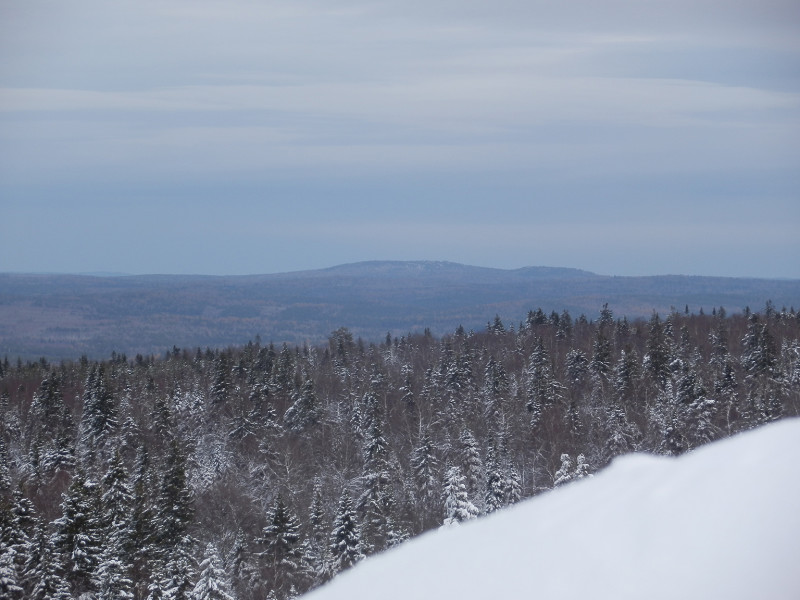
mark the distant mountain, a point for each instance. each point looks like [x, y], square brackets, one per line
[65, 316]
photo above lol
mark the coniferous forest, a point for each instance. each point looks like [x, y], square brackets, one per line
[262, 471]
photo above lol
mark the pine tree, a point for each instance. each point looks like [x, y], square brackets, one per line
[657, 358]
[541, 387]
[423, 462]
[513, 486]
[581, 467]
[5, 465]
[317, 540]
[763, 377]
[9, 582]
[471, 463]
[457, 507]
[111, 580]
[142, 522]
[377, 502]
[175, 504]
[99, 418]
[564, 473]
[221, 384]
[283, 552]
[304, 412]
[117, 502]
[213, 582]
[495, 494]
[600, 364]
[48, 403]
[79, 532]
[178, 573]
[345, 539]
[44, 569]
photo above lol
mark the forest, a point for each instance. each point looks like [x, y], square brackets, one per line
[262, 471]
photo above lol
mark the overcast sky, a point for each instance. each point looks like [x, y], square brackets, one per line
[622, 137]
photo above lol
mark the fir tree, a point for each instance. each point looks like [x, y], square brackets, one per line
[79, 532]
[472, 463]
[457, 507]
[9, 582]
[99, 418]
[317, 540]
[175, 503]
[304, 412]
[283, 552]
[175, 581]
[495, 494]
[564, 473]
[423, 462]
[657, 358]
[377, 502]
[213, 582]
[541, 387]
[581, 467]
[345, 539]
[43, 569]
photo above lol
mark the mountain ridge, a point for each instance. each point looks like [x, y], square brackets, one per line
[66, 316]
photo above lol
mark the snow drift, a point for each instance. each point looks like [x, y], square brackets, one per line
[721, 522]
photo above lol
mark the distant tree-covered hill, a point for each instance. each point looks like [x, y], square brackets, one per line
[66, 316]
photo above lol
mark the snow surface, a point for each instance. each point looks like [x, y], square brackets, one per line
[720, 522]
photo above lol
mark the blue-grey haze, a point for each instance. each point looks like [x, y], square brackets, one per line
[622, 137]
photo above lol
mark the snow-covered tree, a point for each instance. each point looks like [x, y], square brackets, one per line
[99, 417]
[44, 570]
[79, 532]
[304, 412]
[457, 507]
[9, 579]
[283, 553]
[564, 473]
[472, 464]
[495, 493]
[213, 583]
[345, 539]
[581, 467]
[424, 462]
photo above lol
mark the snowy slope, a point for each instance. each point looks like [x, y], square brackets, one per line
[721, 522]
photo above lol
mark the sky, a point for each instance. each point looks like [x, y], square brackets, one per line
[719, 522]
[191, 136]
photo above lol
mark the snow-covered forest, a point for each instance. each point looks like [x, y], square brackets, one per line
[693, 527]
[263, 471]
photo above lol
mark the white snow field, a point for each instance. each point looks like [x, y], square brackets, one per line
[721, 522]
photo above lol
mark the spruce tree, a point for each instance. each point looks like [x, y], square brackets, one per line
[99, 417]
[457, 507]
[213, 582]
[283, 553]
[79, 532]
[175, 503]
[495, 493]
[317, 540]
[44, 569]
[9, 578]
[472, 464]
[564, 473]
[345, 539]
[304, 412]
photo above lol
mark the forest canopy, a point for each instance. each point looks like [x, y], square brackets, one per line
[262, 471]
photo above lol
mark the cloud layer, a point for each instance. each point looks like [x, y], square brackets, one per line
[439, 115]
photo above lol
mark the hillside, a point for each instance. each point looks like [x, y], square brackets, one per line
[287, 465]
[66, 316]
[720, 522]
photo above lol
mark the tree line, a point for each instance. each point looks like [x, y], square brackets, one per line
[262, 471]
